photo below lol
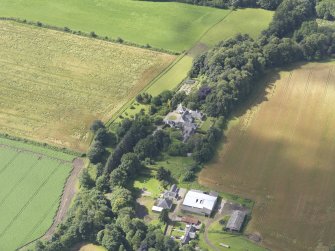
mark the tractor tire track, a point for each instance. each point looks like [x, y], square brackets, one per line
[18, 183]
[8, 226]
[9, 163]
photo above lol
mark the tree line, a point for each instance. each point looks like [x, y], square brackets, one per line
[104, 210]
[230, 69]
[225, 4]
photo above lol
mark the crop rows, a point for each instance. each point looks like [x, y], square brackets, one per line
[30, 188]
[53, 91]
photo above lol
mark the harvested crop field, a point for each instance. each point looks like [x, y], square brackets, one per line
[53, 84]
[280, 153]
[31, 183]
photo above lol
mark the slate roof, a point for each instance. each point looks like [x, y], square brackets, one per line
[189, 234]
[169, 194]
[174, 188]
[164, 203]
[235, 221]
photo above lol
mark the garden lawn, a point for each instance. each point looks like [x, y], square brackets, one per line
[237, 242]
[31, 184]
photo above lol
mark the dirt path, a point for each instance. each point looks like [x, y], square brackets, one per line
[210, 244]
[68, 194]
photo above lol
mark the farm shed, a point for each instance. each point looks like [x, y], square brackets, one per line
[199, 202]
[235, 221]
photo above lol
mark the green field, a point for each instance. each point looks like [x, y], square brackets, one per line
[216, 235]
[55, 84]
[31, 182]
[250, 21]
[168, 25]
[245, 21]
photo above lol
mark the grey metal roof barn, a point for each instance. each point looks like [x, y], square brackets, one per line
[235, 221]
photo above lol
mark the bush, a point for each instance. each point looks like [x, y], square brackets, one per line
[96, 125]
[188, 176]
[96, 153]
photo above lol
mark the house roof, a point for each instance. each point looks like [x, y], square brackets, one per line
[189, 233]
[180, 109]
[199, 199]
[189, 81]
[164, 203]
[174, 188]
[190, 220]
[236, 220]
[169, 194]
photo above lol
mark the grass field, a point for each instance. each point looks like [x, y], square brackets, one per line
[168, 25]
[53, 85]
[91, 247]
[31, 182]
[245, 21]
[216, 235]
[250, 21]
[281, 154]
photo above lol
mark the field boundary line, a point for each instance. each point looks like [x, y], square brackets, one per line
[87, 35]
[66, 197]
[209, 29]
[68, 184]
[164, 71]
[145, 88]
[37, 154]
[39, 144]
[28, 201]
[37, 225]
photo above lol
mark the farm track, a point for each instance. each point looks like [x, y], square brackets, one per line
[67, 196]
[29, 235]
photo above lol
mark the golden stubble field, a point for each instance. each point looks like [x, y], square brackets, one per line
[53, 84]
[281, 153]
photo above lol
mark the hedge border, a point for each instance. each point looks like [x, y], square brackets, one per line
[88, 35]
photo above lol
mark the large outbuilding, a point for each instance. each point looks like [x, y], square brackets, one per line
[235, 221]
[199, 202]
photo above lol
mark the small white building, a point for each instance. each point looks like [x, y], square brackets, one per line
[199, 202]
